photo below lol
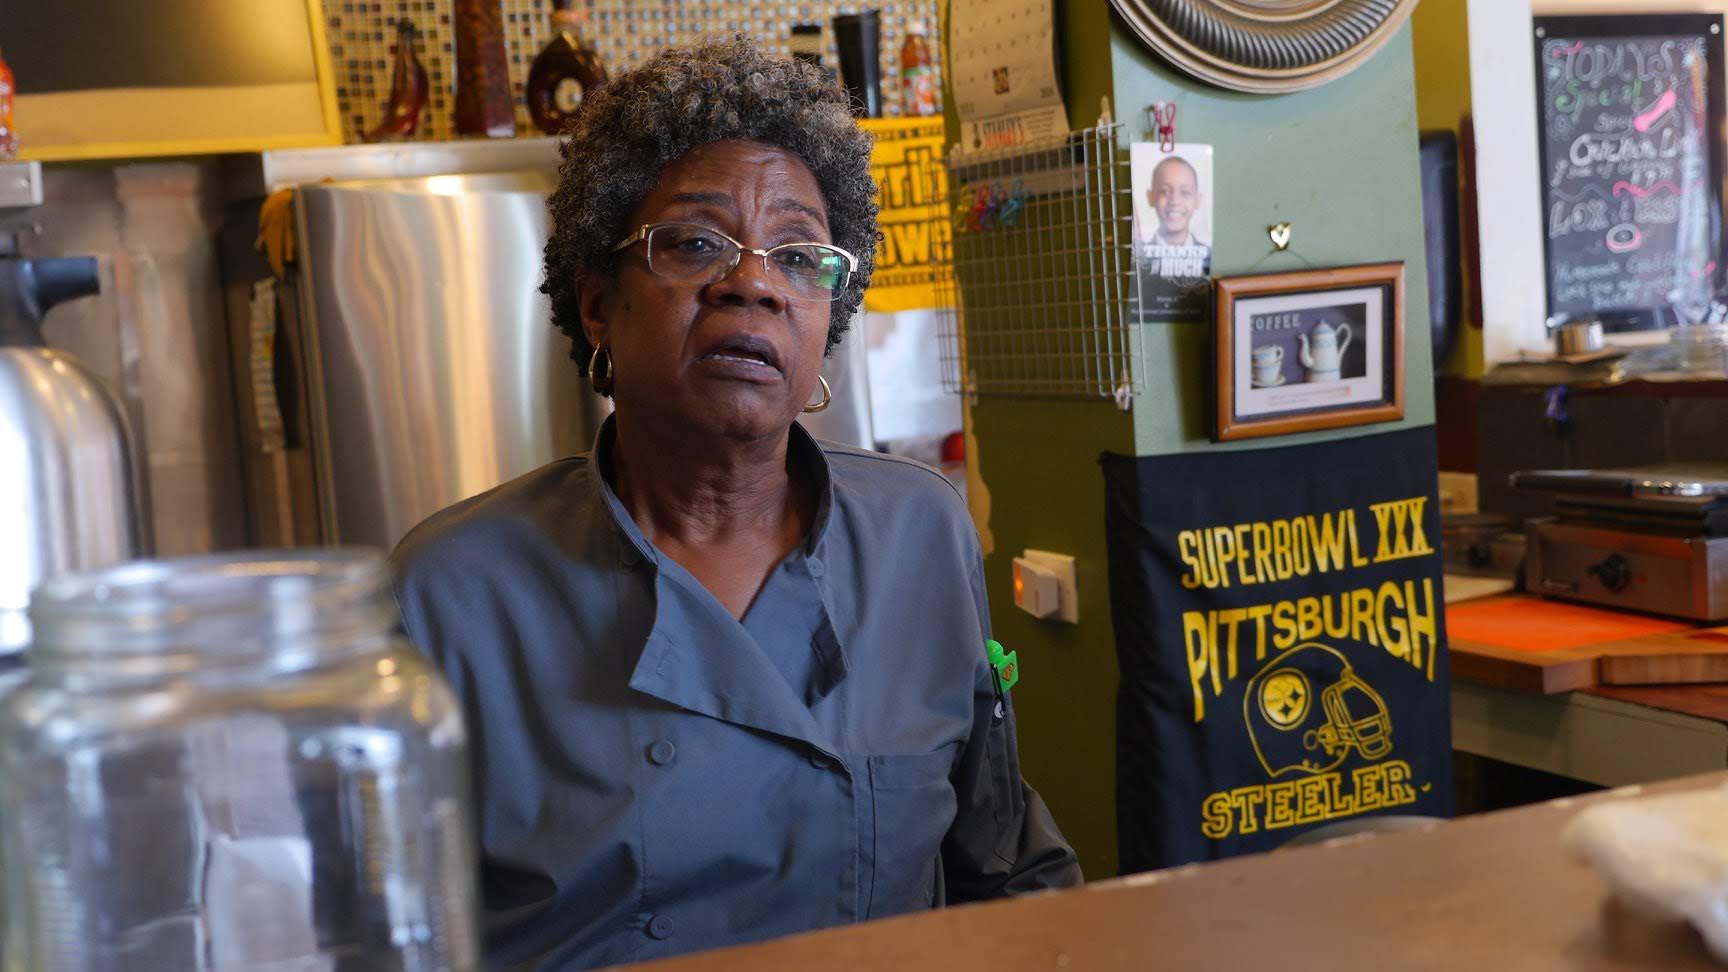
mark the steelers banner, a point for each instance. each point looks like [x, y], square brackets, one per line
[1281, 635]
[912, 190]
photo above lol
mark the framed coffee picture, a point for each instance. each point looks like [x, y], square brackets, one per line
[1308, 350]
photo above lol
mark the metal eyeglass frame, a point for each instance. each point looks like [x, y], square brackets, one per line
[641, 236]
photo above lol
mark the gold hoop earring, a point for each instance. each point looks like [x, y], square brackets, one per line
[827, 396]
[602, 383]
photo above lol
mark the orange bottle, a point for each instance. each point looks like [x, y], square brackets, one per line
[8, 130]
[920, 94]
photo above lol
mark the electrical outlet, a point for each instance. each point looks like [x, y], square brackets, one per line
[1067, 591]
[1457, 492]
[1036, 590]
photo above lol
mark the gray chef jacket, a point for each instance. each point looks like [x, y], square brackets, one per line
[656, 777]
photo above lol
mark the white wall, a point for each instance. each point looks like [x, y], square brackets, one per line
[1508, 207]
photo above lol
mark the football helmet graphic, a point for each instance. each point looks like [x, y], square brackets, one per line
[1308, 708]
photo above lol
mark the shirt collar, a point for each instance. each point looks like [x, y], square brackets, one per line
[810, 452]
[633, 547]
[802, 448]
[723, 674]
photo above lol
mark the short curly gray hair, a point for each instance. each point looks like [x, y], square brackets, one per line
[626, 133]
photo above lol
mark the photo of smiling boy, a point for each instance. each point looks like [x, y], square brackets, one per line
[1172, 223]
[1175, 195]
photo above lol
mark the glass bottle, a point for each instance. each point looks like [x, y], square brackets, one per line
[230, 763]
[807, 43]
[563, 73]
[483, 103]
[8, 130]
[807, 47]
[920, 92]
[408, 90]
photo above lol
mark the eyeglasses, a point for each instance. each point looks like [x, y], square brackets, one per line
[689, 253]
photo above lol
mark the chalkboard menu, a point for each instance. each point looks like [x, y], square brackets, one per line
[1631, 121]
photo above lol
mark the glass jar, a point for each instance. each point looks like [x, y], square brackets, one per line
[1701, 349]
[233, 762]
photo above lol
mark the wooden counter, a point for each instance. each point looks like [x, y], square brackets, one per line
[1606, 736]
[1487, 892]
[1542, 705]
[1490, 892]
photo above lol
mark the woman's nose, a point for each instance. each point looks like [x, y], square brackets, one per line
[748, 282]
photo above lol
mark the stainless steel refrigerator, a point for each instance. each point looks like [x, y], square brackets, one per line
[408, 360]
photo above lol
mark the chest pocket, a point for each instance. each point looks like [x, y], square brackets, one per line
[914, 805]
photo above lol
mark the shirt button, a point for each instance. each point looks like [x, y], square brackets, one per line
[820, 759]
[631, 558]
[661, 752]
[661, 927]
[816, 567]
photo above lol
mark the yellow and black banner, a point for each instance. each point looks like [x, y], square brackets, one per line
[917, 238]
[1280, 628]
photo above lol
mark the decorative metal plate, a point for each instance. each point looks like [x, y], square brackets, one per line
[1265, 46]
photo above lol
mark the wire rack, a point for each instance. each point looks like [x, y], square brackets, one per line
[1041, 279]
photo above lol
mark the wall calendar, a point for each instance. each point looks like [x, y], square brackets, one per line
[1003, 59]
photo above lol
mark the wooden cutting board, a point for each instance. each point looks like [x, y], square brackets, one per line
[1532, 644]
[1682, 657]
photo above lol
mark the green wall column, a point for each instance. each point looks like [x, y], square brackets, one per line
[1338, 162]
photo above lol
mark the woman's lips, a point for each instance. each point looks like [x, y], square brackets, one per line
[744, 356]
[739, 366]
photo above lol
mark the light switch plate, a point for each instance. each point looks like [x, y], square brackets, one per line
[1068, 594]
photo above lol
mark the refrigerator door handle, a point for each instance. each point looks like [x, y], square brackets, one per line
[285, 372]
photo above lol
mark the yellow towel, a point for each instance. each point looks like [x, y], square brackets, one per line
[276, 229]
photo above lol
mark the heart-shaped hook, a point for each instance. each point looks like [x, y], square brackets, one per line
[1280, 233]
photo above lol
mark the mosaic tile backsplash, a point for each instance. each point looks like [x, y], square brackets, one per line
[362, 36]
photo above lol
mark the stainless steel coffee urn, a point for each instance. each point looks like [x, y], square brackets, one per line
[68, 498]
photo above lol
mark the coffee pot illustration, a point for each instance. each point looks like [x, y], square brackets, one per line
[1325, 355]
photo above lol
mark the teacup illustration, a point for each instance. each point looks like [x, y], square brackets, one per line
[1268, 360]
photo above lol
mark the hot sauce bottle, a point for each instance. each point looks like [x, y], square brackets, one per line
[920, 95]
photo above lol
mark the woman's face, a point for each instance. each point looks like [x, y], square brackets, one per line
[737, 357]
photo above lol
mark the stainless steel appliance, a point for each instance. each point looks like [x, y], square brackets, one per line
[1650, 539]
[424, 367]
[67, 494]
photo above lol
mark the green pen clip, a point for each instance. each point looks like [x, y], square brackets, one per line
[1005, 665]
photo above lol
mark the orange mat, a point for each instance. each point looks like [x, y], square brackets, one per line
[1529, 624]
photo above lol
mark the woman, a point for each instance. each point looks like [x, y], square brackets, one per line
[723, 683]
